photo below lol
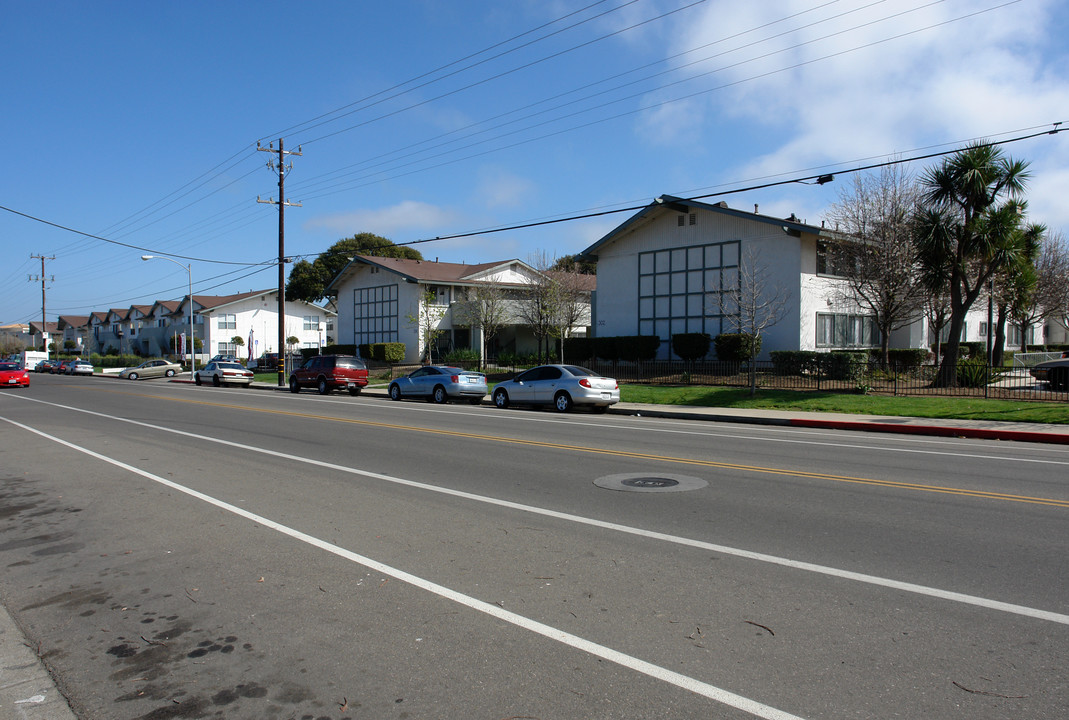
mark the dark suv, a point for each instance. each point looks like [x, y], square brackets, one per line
[330, 372]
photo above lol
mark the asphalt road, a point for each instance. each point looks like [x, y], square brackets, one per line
[181, 552]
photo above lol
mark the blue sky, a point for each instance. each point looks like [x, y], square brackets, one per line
[138, 121]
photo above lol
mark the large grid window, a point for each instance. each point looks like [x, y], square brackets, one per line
[227, 348]
[846, 331]
[678, 289]
[311, 322]
[375, 314]
[228, 322]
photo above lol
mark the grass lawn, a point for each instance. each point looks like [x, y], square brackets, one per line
[929, 407]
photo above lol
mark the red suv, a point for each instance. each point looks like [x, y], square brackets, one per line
[330, 372]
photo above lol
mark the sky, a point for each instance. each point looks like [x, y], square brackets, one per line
[131, 128]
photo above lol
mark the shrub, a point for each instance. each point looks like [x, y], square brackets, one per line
[605, 348]
[737, 347]
[907, 358]
[579, 349]
[462, 355]
[387, 352]
[691, 346]
[637, 347]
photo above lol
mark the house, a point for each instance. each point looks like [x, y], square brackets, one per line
[660, 273]
[50, 334]
[75, 329]
[19, 334]
[379, 300]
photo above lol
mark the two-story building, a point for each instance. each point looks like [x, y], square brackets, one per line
[379, 299]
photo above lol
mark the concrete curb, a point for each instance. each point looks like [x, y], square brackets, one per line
[27, 691]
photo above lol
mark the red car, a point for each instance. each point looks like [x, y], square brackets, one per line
[330, 372]
[12, 375]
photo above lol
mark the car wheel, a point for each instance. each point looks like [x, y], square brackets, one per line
[216, 381]
[323, 388]
[294, 387]
[562, 401]
[169, 373]
[354, 391]
[439, 395]
[501, 399]
[395, 392]
[196, 379]
[132, 376]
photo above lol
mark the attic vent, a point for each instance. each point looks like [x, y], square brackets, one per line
[679, 220]
[693, 219]
[682, 220]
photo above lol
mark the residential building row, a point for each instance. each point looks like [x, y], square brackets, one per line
[658, 273]
[162, 327]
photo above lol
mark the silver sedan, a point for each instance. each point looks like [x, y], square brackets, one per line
[440, 383]
[562, 386]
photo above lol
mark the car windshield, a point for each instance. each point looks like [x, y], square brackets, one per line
[8, 366]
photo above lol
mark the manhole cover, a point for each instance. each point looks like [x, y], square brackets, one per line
[643, 482]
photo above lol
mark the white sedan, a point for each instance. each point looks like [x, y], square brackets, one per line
[562, 386]
[223, 373]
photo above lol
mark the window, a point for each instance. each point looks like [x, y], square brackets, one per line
[311, 322]
[375, 314]
[983, 329]
[844, 331]
[227, 348]
[441, 294]
[228, 322]
[1015, 335]
[678, 289]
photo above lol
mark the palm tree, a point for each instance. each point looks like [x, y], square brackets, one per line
[969, 229]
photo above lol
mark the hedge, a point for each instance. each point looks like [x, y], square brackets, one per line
[832, 365]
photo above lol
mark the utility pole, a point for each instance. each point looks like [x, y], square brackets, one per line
[43, 279]
[282, 203]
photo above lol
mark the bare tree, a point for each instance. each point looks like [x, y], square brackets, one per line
[752, 302]
[570, 303]
[485, 309]
[875, 252]
[1042, 290]
[427, 320]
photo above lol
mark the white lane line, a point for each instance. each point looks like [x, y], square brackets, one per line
[987, 603]
[574, 641]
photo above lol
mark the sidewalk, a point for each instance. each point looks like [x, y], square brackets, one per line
[26, 689]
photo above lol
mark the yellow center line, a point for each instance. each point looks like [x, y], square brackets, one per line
[621, 453]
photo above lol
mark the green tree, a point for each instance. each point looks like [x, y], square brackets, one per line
[308, 280]
[967, 230]
[573, 264]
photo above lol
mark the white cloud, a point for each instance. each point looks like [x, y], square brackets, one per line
[500, 188]
[406, 216]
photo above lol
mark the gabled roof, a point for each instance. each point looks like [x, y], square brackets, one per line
[50, 327]
[418, 271]
[119, 313]
[670, 203]
[74, 321]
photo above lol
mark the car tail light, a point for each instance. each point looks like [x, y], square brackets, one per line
[584, 382]
[454, 379]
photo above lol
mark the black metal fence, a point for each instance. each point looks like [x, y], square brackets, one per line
[974, 380]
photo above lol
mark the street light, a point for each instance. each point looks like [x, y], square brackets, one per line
[189, 269]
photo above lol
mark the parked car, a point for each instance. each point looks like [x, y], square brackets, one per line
[441, 383]
[45, 366]
[562, 386]
[151, 369]
[225, 358]
[330, 372]
[219, 372]
[13, 375]
[1054, 372]
[61, 367]
[81, 367]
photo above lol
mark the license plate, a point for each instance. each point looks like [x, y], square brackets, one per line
[12, 381]
[606, 395]
[350, 384]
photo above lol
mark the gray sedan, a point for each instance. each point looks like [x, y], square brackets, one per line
[562, 386]
[1054, 372]
[151, 369]
[441, 383]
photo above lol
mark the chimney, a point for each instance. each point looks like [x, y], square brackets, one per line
[755, 208]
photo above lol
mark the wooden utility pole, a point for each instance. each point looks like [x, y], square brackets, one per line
[282, 203]
[43, 279]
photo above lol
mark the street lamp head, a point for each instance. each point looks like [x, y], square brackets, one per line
[147, 257]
